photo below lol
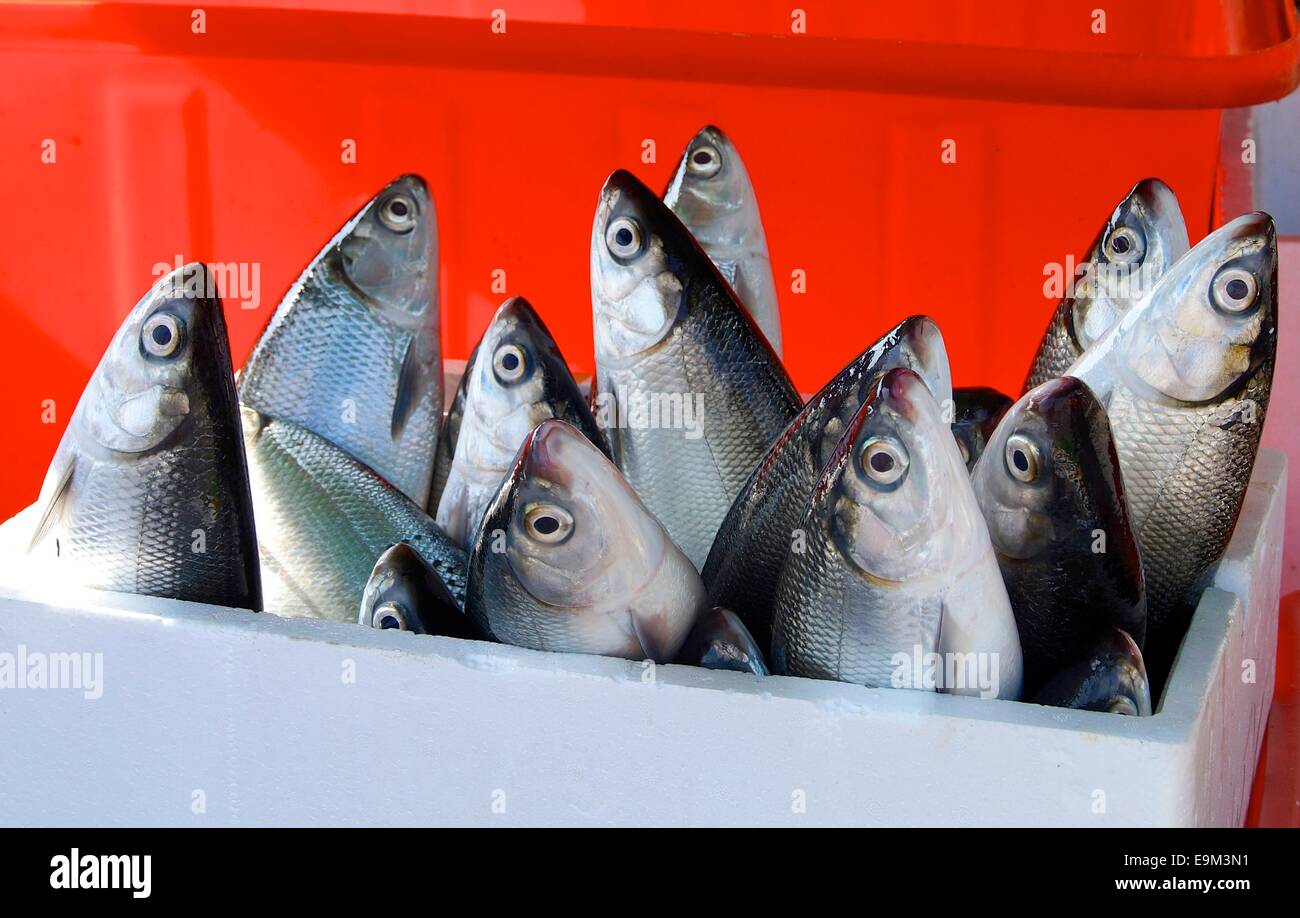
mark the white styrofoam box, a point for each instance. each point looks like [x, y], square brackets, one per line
[212, 716]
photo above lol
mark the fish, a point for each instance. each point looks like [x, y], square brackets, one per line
[710, 192]
[404, 592]
[521, 381]
[687, 390]
[352, 352]
[1185, 377]
[148, 490]
[751, 546]
[569, 559]
[323, 520]
[1111, 677]
[897, 565]
[976, 412]
[1052, 494]
[720, 640]
[448, 434]
[1144, 236]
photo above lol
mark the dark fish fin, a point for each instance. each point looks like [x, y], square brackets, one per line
[53, 509]
[407, 389]
[609, 444]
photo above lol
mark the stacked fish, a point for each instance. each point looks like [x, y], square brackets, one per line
[688, 505]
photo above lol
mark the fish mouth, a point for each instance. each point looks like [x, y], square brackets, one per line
[900, 389]
[1257, 227]
[541, 453]
[518, 309]
[621, 183]
[1035, 526]
[1058, 398]
[1156, 203]
[927, 355]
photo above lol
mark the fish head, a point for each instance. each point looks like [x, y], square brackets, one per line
[891, 497]
[915, 344]
[576, 535]
[710, 190]
[1112, 679]
[1049, 472]
[1143, 237]
[637, 275]
[519, 355]
[976, 413]
[388, 252]
[168, 357]
[404, 592]
[1212, 319]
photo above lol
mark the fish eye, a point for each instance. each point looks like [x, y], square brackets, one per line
[883, 460]
[623, 237]
[389, 616]
[161, 335]
[1234, 290]
[1123, 705]
[397, 212]
[1023, 458]
[704, 162]
[509, 363]
[1125, 245]
[548, 523]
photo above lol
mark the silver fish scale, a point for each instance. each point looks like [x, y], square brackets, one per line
[131, 526]
[323, 519]
[754, 539]
[1185, 475]
[832, 624]
[528, 624]
[1057, 351]
[340, 351]
[677, 478]
[689, 484]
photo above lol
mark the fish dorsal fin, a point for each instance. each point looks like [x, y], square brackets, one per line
[52, 512]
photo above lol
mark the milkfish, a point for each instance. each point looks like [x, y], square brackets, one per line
[352, 353]
[405, 593]
[520, 381]
[1185, 377]
[976, 412]
[1050, 488]
[897, 571]
[711, 193]
[569, 559]
[148, 491]
[720, 640]
[323, 520]
[1111, 677]
[687, 390]
[755, 537]
[1143, 237]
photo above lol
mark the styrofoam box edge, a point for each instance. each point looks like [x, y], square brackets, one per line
[212, 716]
